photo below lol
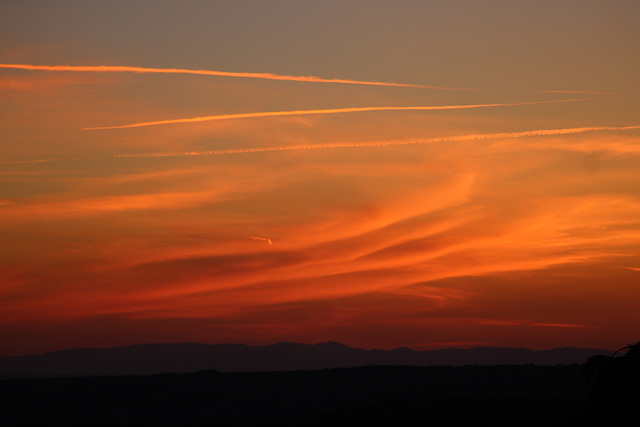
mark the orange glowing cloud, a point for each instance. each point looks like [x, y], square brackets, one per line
[332, 266]
[96, 205]
[327, 111]
[45, 84]
[266, 76]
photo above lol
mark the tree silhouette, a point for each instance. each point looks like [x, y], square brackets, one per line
[615, 380]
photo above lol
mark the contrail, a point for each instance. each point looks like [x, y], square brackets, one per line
[265, 76]
[264, 239]
[460, 138]
[328, 111]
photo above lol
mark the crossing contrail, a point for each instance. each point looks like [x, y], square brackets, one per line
[264, 76]
[327, 111]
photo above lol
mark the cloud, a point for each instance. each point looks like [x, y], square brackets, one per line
[45, 84]
[327, 111]
[265, 76]
[525, 322]
[25, 211]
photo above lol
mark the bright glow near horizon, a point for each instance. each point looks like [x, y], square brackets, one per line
[428, 227]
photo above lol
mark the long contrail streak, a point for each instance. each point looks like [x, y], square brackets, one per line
[460, 138]
[264, 76]
[310, 112]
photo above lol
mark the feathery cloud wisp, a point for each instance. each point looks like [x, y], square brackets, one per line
[327, 111]
[265, 76]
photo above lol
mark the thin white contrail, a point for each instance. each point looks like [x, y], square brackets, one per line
[327, 111]
[264, 76]
[459, 138]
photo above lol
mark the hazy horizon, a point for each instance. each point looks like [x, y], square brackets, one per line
[320, 343]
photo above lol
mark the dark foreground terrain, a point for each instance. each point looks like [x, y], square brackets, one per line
[428, 396]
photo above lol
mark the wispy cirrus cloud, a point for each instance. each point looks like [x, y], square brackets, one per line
[98, 205]
[264, 76]
[325, 111]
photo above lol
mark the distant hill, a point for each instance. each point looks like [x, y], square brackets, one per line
[147, 359]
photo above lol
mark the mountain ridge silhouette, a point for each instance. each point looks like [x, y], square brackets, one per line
[154, 358]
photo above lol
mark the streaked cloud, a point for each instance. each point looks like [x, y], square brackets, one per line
[95, 205]
[524, 322]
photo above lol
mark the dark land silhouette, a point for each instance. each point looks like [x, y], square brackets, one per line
[498, 395]
[602, 391]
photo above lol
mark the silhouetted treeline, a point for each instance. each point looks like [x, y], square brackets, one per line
[470, 395]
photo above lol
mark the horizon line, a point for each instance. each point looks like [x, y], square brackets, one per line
[462, 348]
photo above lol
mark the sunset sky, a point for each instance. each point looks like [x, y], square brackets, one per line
[426, 174]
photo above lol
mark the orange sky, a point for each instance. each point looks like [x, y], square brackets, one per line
[466, 177]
